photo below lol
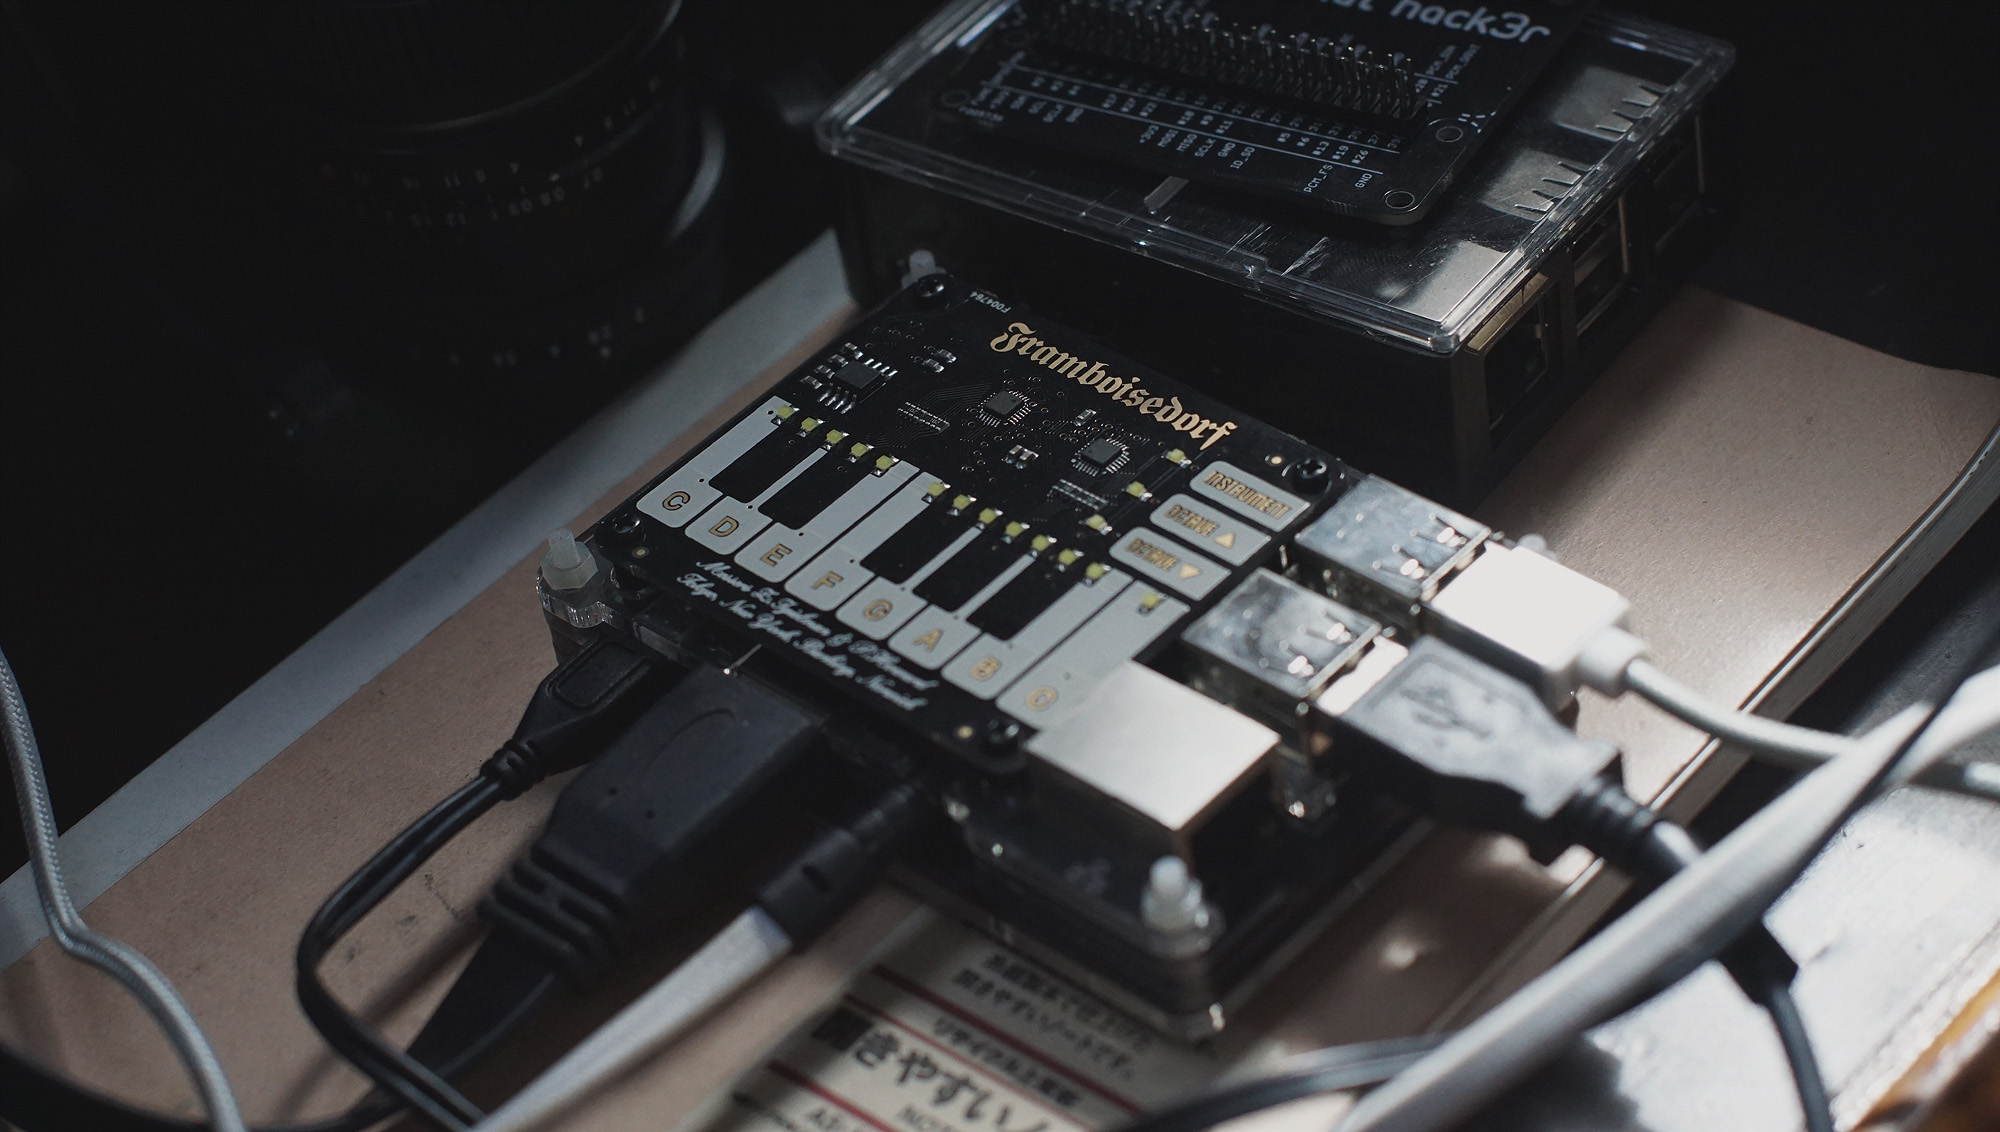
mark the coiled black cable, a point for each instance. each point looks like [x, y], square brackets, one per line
[407, 1078]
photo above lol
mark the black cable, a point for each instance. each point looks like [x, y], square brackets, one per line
[500, 989]
[1773, 993]
[588, 696]
[1312, 1074]
[673, 797]
[1645, 846]
[415, 1083]
[1771, 988]
[33, 1099]
[789, 910]
[1497, 759]
[1776, 999]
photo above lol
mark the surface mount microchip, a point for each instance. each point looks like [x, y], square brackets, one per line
[857, 377]
[1101, 455]
[1004, 407]
[1002, 404]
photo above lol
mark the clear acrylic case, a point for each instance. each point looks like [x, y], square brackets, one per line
[1620, 84]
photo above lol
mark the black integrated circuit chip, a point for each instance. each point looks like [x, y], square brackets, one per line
[1002, 405]
[1101, 455]
[856, 377]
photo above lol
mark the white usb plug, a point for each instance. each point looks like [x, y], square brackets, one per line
[1539, 620]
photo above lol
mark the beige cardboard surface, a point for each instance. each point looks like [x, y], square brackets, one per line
[1735, 474]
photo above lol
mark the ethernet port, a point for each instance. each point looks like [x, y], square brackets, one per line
[1602, 263]
[1516, 349]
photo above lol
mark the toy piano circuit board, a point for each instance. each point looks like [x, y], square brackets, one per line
[999, 558]
[962, 515]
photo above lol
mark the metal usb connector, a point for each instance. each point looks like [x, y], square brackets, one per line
[1417, 564]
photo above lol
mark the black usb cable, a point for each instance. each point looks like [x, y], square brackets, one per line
[574, 711]
[577, 707]
[1473, 746]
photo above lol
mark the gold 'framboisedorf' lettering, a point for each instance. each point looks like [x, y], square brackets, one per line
[1019, 338]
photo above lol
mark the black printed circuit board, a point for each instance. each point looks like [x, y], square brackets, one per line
[1362, 107]
[962, 515]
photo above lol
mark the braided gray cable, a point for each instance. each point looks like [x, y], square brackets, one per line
[133, 971]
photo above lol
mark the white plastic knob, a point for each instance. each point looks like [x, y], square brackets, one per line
[1172, 900]
[567, 565]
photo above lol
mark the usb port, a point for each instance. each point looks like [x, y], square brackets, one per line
[1385, 550]
[1603, 260]
[1679, 177]
[1517, 349]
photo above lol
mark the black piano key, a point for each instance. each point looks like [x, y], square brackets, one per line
[969, 571]
[752, 474]
[915, 543]
[1023, 599]
[800, 501]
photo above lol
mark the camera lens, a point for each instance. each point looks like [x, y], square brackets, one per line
[518, 186]
[464, 156]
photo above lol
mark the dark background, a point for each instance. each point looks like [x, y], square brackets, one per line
[181, 510]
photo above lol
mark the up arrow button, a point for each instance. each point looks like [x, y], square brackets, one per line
[1216, 530]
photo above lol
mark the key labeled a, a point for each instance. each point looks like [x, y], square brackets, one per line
[933, 637]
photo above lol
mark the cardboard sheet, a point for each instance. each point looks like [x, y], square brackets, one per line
[1736, 475]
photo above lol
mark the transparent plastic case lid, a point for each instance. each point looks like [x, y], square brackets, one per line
[1620, 83]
